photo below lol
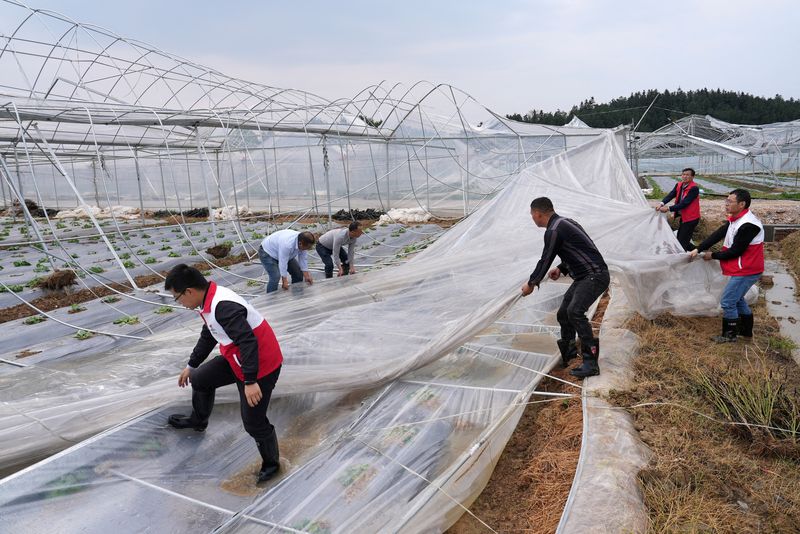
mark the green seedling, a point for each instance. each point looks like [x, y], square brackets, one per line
[36, 319]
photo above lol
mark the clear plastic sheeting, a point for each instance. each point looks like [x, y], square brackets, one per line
[611, 452]
[389, 458]
[379, 329]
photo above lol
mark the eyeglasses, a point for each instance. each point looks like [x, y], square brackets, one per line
[729, 201]
[179, 295]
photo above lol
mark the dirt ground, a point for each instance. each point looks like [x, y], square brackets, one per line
[67, 297]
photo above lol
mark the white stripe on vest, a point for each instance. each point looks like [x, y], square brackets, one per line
[735, 225]
[254, 318]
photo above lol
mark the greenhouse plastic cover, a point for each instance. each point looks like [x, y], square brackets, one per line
[437, 411]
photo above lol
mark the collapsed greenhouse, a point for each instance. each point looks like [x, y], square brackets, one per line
[401, 384]
[767, 153]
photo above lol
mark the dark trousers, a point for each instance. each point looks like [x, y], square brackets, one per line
[326, 255]
[572, 313]
[217, 373]
[685, 231]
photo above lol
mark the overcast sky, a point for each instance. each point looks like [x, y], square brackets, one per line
[512, 56]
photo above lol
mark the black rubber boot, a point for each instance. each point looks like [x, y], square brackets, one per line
[270, 457]
[568, 350]
[746, 325]
[202, 404]
[177, 420]
[590, 351]
[730, 327]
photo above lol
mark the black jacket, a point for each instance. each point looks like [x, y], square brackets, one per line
[746, 233]
[569, 241]
[232, 317]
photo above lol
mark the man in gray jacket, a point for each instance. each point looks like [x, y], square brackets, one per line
[330, 248]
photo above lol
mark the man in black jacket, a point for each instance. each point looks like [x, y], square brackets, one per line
[250, 357]
[581, 260]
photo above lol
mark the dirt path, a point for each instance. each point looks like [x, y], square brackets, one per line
[531, 482]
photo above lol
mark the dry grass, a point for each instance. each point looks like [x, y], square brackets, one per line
[532, 479]
[705, 475]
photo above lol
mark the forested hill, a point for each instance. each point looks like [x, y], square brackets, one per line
[730, 106]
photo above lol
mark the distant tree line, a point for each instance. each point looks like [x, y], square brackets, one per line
[729, 106]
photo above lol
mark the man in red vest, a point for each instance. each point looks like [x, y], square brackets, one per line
[741, 258]
[687, 206]
[250, 358]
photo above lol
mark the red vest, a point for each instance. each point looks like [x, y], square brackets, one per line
[692, 211]
[269, 352]
[752, 260]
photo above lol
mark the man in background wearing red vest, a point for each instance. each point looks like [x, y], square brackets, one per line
[687, 206]
[741, 258]
[250, 357]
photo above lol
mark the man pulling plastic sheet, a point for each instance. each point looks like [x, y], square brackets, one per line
[581, 260]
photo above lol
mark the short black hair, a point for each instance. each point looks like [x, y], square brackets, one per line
[306, 238]
[182, 277]
[691, 170]
[742, 195]
[543, 204]
[355, 225]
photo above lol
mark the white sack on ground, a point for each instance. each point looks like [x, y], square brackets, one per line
[405, 216]
[117, 212]
[230, 213]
